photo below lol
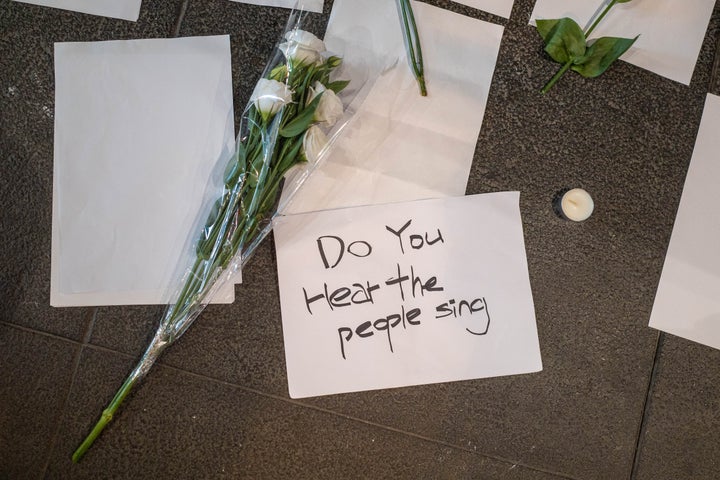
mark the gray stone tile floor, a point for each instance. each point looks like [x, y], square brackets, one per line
[615, 400]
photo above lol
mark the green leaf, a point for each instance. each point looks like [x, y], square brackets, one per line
[232, 171]
[214, 214]
[235, 166]
[601, 54]
[279, 73]
[205, 242]
[564, 39]
[544, 27]
[303, 120]
[338, 85]
[293, 156]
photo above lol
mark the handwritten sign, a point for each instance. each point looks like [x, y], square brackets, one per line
[405, 294]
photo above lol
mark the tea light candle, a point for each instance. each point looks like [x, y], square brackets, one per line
[576, 205]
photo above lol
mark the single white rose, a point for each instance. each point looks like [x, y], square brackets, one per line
[269, 96]
[330, 108]
[303, 47]
[313, 143]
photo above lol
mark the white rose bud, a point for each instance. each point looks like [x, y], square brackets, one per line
[330, 108]
[313, 143]
[269, 96]
[303, 47]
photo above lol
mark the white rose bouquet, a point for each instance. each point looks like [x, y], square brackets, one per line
[283, 125]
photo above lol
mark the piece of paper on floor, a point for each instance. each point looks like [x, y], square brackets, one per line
[123, 9]
[139, 128]
[401, 146]
[497, 7]
[687, 303]
[306, 5]
[671, 31]
[405, 294]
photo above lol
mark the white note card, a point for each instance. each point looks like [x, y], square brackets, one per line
[122, 9]
[305, 5]
[687, 303]
[140, 128]
[405, 294]
[671, 31]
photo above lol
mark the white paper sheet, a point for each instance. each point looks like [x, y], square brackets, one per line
[139, 127]
[306, 5]
[462, 310]
[497, 7]
[687, 303]
[123, 9]
[671, 31]
[402, 146]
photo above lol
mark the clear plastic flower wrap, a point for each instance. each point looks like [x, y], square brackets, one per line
[298, 108]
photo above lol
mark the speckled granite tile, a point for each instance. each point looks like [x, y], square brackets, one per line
[126, 329]
[178, 425]
[26, 146]
[32, 309]
[682, 428]
[36, 374]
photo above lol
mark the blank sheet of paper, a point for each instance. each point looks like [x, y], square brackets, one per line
[123, 9]
[139, 128]
[405, 294]
[401, 146]
[671, 31]
[687, 303]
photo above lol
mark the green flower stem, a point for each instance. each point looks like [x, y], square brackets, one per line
[235, 224]
[105, 419]
[599, 18]
[196, 286]
[151, 354]
[413, 44]
[557, 76]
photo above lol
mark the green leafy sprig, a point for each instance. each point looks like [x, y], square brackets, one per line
[567, 44]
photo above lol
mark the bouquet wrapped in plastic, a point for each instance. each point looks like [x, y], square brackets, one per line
[294, 113]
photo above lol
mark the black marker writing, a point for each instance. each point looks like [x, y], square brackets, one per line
[415, 240]
[418, 285]
[343, 296]
[385, 324]
[456, 310]
[358, 248]
[398, 281]
[398, 232]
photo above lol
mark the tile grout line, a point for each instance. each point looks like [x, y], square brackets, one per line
[646, 406]
[339, 414]
[76, 367]
[40, 332]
